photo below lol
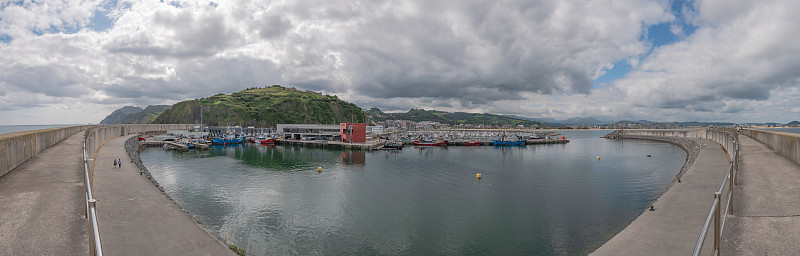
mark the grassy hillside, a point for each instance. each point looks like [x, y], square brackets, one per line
[264, 107]
[417, 115]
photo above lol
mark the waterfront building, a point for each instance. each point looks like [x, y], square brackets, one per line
[353, 132]
[309, 131]
[375, 129]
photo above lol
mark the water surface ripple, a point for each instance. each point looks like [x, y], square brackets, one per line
[534, 200]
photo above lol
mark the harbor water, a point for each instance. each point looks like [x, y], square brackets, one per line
[531, 200]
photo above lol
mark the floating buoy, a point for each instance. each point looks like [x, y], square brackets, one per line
[478, 176]
[598, 157]
[319, 168]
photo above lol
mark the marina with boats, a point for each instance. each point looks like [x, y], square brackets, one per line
[181, 140]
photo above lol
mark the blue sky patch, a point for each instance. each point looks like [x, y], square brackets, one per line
[5, 38]
[655, 36]
[618, 71]
[100, 21]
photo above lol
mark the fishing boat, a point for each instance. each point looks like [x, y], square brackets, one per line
[505, 141]
[430, 143]
[228, 139]
[509, 143]
[267, 141]
[394, 145]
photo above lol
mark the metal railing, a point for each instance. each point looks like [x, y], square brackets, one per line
[94, 243]
[730, 178]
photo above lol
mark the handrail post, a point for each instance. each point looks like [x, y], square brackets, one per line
[736, 165]
[717, 220]
[730, 191]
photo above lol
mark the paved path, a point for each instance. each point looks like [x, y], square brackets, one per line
[42, 204]
[136, 218]
[673, 228]
[767, 218]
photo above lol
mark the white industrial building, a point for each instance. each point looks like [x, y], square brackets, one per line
[309, 131]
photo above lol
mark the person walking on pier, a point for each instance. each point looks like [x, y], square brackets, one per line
[115, 163]
[119, 162]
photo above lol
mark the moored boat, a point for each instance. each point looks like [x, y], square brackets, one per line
[267, 141]
[228, 139]
[471, 143]
[394, 145]
[509, 143]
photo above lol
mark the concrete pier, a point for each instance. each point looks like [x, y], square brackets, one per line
[766, 219]
[42, 203]
[136, 218]
[675, 224]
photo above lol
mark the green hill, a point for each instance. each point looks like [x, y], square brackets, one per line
[417, 115]
[263, 107]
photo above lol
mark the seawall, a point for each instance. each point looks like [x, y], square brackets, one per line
[18, 147]
[678, 138]
[787, 144]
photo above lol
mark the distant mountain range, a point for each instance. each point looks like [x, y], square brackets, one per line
[135, 115]
[419, 115]
[275, 104]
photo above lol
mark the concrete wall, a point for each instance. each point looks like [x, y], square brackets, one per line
[97, 135]
[725, 137]
[18, 147]
[787, 144]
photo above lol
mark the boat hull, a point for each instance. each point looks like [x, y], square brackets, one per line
[509, 143]
[221, 141]
[268, 141]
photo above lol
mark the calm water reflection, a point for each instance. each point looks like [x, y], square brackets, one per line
[534, 200]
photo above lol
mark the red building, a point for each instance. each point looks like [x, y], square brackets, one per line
[353, 132]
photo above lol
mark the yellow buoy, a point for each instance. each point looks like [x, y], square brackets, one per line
[319, 169]
[598, 157]
[478, 176]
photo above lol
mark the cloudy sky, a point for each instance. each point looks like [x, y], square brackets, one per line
[75, 61]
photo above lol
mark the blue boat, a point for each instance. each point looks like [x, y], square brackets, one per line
[509, 143]
[505, 141]
[228, 139]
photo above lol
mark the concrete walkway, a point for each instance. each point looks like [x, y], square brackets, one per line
[766, 219]
[673, 228]
[42, 204]
[136, 218]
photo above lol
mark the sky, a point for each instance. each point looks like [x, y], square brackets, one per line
[72, 62]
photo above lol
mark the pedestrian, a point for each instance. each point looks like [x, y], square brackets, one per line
[115, 163]
[119, 162]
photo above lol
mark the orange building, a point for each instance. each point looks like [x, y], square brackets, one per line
[353, 132]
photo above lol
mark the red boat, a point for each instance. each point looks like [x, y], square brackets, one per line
[430, 143]
[471, 143]
[268, 141]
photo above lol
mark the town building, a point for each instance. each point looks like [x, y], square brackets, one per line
[353, 132]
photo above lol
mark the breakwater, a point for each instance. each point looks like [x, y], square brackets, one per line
[787, 144]
[679, 138]
[19, 147]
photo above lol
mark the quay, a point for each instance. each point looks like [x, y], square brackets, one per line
[44, 210]
[674, 225]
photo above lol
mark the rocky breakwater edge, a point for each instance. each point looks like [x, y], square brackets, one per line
[134, 147]
[691, 146]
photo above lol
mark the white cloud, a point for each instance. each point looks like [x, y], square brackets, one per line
[531, 58]
[743, 55]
